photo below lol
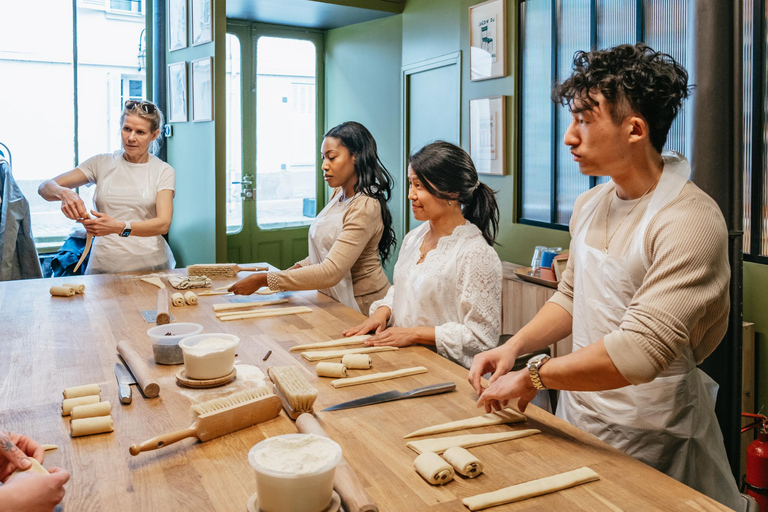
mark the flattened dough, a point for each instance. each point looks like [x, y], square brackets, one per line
[340, 342]
[377, 377]
[531, 489]
[494, 418]
[91, 410]
[69, 403]
[433, 468]
[463, 462]
[317, 355]
[154, 280]
[264, 290]
[85, 390]
[440, 444]
[324, 369]
[88, 426]
[36, 467]
[357, 361]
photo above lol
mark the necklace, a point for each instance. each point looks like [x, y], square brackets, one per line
[607, 213]
[424, 249]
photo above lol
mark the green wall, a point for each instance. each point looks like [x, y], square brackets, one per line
[363, 83]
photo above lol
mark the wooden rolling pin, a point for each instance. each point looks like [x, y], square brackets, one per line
[353, 495]
[163, 317]
[139, 368]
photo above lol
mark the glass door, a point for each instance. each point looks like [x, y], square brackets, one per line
[276, 186]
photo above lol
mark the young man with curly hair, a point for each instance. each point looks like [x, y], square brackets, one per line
[645, 292]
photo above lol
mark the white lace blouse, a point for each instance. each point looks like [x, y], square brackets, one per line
[456, 289]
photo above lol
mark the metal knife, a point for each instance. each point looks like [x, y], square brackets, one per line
[124, 381]
[432, 389]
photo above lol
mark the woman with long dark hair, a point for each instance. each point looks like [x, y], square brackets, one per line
[351, 238]
[447, 281]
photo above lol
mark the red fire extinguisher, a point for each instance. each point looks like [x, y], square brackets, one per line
[757, 460]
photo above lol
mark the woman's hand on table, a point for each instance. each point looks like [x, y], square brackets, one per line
[250, 284]
[102, 224]
[72, 205]
[376, 323]
[506, 388]
[395, 337]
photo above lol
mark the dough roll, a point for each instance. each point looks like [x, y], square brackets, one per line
[433, 468]
[36, 467]
[62, 291]
[190, 298]
[356, 361]
[88, 426]
[331, 370]
[85, 390]
[463, 462]
[531, 489]
[177, 299]
[79, 288]
[70, 403]
[91, 410]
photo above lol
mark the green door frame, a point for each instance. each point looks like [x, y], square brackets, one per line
[280, 247]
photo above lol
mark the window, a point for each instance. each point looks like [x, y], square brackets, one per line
[551, 31]
[127, 6]
[234, 137]
[51, 133]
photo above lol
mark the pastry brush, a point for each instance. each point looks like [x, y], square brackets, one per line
[297, 394]
[221, 416]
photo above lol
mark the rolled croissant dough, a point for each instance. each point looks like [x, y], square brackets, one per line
[85, 390]
[531, 489]
[377, 377]
[91, 410]
[190, 298]
[69, 403]
[88, 426]
[177, 299]
[357, 361]
[433, 468]
[440, 444]
[36, 467]
[495, 418]
[463, 461]
[62, 291]
[331, 369]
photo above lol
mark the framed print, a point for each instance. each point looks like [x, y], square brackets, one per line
[487, 41]
[202, 89]
[177, 24]
[177, 92]
[201, 22]
[487, 135]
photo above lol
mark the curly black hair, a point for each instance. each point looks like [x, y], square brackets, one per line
[632, 78]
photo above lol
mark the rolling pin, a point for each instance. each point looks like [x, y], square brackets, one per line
[138, 368]
[163, 317]
[353, 495]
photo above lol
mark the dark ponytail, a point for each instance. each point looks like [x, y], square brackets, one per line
[373, 179]
[447, 172]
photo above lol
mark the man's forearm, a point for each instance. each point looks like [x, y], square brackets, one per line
[587, 369]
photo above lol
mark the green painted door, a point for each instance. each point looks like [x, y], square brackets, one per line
[274, 129]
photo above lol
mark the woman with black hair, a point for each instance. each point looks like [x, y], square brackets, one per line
[447, 281]
[352, 236]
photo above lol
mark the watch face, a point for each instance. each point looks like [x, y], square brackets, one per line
[537, 358]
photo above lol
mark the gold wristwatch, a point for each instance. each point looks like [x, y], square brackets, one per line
[534, 364]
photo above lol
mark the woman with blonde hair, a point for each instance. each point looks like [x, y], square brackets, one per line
[133, 197]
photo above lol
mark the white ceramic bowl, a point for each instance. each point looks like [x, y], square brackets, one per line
[209, 363]
[166, 340]
[306, 490]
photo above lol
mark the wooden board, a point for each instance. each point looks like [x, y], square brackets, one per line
[51, 345]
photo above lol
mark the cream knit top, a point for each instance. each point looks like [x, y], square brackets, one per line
[683, 299]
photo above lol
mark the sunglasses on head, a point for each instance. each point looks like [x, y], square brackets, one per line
[146, 106]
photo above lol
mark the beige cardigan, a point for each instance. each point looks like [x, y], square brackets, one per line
[356, 250]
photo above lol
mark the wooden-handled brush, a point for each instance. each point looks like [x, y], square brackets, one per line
[221, 416]
[216, 270]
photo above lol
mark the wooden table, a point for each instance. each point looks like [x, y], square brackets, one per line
[50, 343]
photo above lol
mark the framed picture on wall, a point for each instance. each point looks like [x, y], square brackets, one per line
[177, 92]
[177, 24]
[487, 41]
[487, 135]
[202, 89]
[202, 22]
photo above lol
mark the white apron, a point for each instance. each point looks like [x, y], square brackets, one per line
[668, 423]
[128, 195]
[323, 233]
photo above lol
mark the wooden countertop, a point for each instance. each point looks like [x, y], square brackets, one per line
[50, 343]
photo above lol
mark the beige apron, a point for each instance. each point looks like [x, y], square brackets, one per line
[322, 235]
[668, 423]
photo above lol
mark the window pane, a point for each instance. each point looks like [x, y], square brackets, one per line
[616, 22]
[286, 142]
[763, 166]
[38, 127]
[536, 150]
[665, 32]
[234, 136]
[748, 91]
[573, 26]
